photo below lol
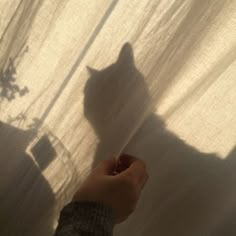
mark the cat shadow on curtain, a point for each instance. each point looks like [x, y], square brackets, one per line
[186, 186]
[25, 193]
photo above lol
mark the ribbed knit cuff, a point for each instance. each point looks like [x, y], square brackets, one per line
[85, 218]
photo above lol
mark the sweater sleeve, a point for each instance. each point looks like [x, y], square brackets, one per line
[85, 218]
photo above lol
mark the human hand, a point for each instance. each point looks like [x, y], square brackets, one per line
[117, 184]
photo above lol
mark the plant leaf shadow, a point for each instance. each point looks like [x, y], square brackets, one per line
[9, 88]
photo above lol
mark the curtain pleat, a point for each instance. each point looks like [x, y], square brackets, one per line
[82, 81]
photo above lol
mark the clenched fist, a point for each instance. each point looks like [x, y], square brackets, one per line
[116, 184]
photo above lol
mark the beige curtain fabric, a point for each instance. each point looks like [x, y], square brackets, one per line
[84, 80]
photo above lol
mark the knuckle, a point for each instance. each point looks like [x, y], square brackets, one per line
[104, 162]
[130, 183]
[127, 182]
[143, 164]
[141, 161]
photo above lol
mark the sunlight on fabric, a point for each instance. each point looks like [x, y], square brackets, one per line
[81, 81]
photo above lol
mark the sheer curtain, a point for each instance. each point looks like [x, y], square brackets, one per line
[81, 81]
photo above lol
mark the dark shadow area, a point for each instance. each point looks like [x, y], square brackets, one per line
[189, 192]
[21, 209]
[101, 100]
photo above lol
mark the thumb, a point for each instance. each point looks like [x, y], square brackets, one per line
[106, 167]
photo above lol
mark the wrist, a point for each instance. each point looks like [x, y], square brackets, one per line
[88, 215]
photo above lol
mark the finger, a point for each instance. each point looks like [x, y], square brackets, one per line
[123, 162]
[127, 160]
[144, 181]
[106, 167]
[136, 172]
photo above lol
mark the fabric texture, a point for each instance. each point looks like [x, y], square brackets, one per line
[84, 80]
[84, 219]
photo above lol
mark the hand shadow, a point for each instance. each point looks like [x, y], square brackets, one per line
[188, 192]
[27, 200]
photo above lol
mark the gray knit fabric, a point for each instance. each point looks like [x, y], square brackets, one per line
[85, 219]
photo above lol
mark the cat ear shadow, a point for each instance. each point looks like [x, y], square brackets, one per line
[126, 55]
[91, 71]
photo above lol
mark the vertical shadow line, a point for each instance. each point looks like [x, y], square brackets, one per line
[79, 59]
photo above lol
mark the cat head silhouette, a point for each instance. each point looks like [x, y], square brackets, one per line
[118, 88]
